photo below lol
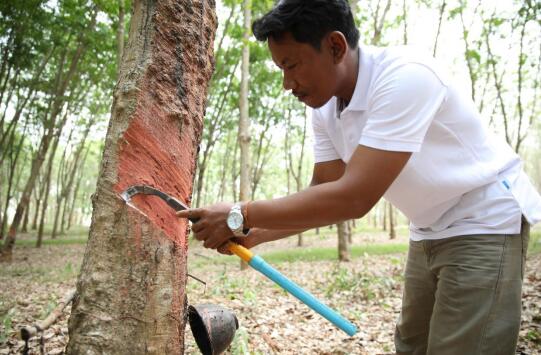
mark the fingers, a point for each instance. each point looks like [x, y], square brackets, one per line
[198, 227]
[223, 249]
[213, 239]
[192, 214]
[183, 214]
[209, 226]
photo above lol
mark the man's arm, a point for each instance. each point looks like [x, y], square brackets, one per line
[366, 178]
[322, 173]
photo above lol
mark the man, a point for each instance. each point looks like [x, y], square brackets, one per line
[389, 123]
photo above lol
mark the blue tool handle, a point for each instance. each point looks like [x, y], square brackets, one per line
[261, 265]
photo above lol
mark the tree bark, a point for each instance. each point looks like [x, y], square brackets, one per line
[442, 11]
[379, 22]
[351, 224]
[76, 189]
[244, 124]
[37, 200]
[71, 174]
[383, 219]
[45, 203]
[131, 290]
[343, 245]
[392, 231]
[47, 180]
[24, 228]
[17, 151]
[60, 186]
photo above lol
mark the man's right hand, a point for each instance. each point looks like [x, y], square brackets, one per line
[258, 236]
[255, 237]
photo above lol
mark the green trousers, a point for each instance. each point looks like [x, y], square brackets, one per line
[462, 295]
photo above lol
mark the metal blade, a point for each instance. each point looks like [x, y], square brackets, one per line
[148, 190]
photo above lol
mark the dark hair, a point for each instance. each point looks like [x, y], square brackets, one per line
[308, 21]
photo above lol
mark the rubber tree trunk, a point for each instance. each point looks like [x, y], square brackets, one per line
[131, 289]
[343, 245]
[244, 124]
[392, 230]
[47, 190]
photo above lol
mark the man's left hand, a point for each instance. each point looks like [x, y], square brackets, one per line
[211, 226]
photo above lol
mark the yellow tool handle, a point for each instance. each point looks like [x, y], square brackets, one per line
[240, 251]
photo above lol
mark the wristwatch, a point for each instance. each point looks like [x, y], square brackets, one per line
[235, 221]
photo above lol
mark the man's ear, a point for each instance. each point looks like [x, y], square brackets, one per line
[337, 43]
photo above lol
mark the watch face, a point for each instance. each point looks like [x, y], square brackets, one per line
[234, 220]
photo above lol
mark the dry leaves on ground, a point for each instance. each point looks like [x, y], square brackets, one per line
[366, 290]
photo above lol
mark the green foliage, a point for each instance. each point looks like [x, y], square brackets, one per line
[51, 304]
[234, 288]
[314, 254]
[473, 54]
[363, 283]
[60, 241]
[535, 242]
[240, 344]
[534, 335]
[40, 34]
[7, 324]
[55, 63]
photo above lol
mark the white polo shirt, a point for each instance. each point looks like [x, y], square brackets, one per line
[460, 180]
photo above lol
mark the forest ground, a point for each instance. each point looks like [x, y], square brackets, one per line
[367, 290]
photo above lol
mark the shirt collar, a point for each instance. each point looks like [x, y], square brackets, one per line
[359, 100]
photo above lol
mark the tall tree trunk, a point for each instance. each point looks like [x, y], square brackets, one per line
[379, 22]
[37, 203]
[244, 124]
[46, 191]
[41, 227]
[60, 186]
[24, 228]
[131, 290]
[343, 245]
[71, 174]
[17, 151]
[392, 231]
[298, 175]
[442, 11]
[351, 224]
[24, 101]
[1, 204]
[76, 190]
[384, 224]
[224, 168]
[215, 127]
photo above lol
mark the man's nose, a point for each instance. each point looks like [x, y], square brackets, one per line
[289, 82]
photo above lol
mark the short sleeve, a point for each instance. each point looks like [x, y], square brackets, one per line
[404, 102]
[323, 148]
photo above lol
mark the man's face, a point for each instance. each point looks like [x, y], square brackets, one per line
[309, 74]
